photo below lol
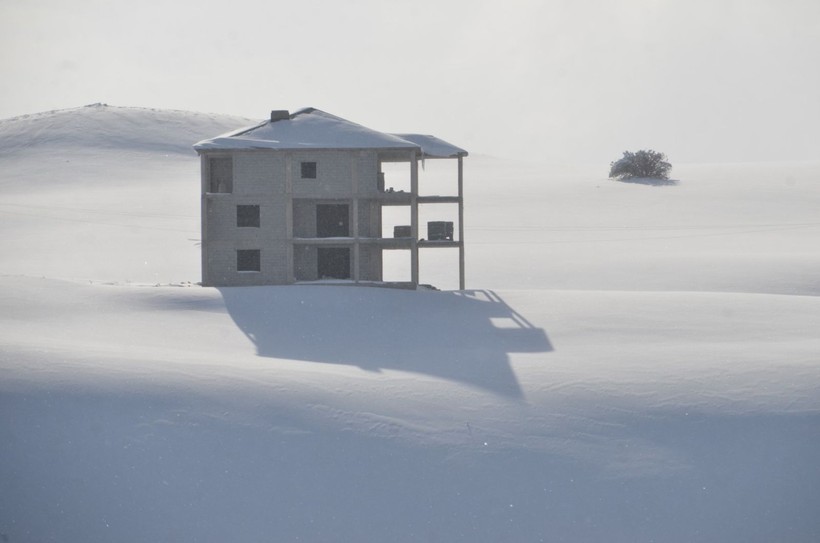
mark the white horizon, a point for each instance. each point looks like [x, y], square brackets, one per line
[558, 81]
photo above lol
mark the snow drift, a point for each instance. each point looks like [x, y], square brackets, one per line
[634, 363]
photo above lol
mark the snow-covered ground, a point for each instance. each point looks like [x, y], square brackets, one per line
[632, 364]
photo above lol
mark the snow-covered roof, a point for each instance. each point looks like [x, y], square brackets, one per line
[433, 147]
[311, 128]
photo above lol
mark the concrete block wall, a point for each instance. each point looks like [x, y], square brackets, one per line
[304, 218]
[335, 174]
[220, 210]
[305, 260]
[270, 179]
[370, 263]
[370, 219]
[260, 173]
[221, 261]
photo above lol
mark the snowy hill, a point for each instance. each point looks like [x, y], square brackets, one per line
[635, 363]
[82, 185]
[100, 126]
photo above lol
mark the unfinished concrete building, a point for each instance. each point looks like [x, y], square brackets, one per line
[300, 198]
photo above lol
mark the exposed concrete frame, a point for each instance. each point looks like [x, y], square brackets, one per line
[461, 282]
[416, 200]
[414, 218]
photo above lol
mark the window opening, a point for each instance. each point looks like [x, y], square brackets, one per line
[247, 216]
[334, 263]
[308, 170]
[332, 220]
[221, 174]
[248, 260]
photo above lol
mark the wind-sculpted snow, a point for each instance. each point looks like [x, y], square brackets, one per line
[632, 363]
[633, 421]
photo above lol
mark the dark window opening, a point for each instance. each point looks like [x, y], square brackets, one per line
[247, 216]
[332, 220]
[334, 263]
[248, 260]
[221, 174]
[308, 170]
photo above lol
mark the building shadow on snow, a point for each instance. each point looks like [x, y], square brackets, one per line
[463, 336]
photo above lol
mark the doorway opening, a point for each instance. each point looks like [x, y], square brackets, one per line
[334, 263]
[332, 220]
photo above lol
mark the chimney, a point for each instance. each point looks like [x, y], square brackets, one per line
[279, 115]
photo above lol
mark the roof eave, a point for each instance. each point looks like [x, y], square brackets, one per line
[209, 145]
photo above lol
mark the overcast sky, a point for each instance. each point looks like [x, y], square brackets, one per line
[556, 80]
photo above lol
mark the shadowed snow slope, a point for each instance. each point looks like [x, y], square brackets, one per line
[636, 363]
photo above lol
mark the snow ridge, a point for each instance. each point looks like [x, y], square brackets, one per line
[101, 126]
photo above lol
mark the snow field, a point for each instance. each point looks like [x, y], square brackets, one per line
[635, 363]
